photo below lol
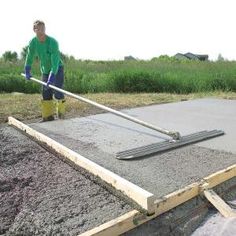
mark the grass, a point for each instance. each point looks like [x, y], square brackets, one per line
[26, 107]
[174, 76]
[117, 84]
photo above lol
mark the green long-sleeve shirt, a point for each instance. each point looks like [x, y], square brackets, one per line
[48, 53]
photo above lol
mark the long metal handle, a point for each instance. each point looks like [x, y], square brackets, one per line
[174, 134]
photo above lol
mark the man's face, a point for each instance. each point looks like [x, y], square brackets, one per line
[40, 32]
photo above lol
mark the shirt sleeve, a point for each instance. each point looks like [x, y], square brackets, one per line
[30, 54]
[55, 57]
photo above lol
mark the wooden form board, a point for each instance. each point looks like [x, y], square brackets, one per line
[220, 176]
[134, 218]
[142, 197]
[115, 227]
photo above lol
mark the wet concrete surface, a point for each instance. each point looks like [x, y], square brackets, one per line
[99, 137]
[42, 195]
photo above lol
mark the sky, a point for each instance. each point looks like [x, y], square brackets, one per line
[112, 29]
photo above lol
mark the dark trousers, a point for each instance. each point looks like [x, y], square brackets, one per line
[59, 81]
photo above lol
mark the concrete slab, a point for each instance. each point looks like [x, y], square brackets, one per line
[99, 137]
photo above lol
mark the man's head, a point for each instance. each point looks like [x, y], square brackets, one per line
[39, 29]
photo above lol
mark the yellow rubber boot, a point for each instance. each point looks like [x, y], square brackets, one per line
[48, 110]
[61, 108]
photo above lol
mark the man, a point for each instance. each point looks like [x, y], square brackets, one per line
[47, 50]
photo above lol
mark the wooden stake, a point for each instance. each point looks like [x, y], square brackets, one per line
[219, 203]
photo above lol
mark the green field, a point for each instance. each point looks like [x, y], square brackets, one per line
[155, 76]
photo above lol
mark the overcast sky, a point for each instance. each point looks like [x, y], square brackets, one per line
[112, 29]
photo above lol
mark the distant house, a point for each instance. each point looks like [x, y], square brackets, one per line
[129, 58]
[191, 56]
[180, 56]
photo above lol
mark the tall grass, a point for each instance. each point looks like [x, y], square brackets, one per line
[181, 77]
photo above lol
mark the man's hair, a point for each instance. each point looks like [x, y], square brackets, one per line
[37, 23]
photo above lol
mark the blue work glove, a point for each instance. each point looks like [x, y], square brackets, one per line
[27, 72]
[51, 79]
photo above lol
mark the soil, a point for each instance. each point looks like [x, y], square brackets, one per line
[42, 195]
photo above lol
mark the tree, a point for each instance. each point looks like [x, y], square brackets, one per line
[10, 56]
[64, 57]
[24, 52]
[220, 58]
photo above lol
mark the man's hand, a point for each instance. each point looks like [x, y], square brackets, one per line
[27, 72]
[51, 78]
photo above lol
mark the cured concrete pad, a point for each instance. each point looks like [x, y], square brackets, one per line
[99, 137]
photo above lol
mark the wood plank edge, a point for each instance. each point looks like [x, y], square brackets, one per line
[182, 195]
[134, 218]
